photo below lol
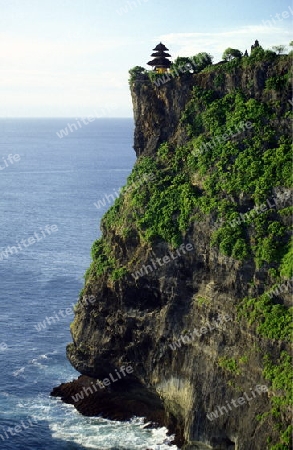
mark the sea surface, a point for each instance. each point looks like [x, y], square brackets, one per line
[48, 187]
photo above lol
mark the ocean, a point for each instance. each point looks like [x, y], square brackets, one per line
[49, 187]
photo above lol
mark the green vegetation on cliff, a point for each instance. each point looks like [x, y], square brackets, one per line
[238, 146]
[235, 169]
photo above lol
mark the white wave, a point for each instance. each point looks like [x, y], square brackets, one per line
[51, 353]
[18, 372]
[5, 394]
[68, 425]
[106, 434]
[36, 360]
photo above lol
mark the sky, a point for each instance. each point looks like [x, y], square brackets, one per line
[70, 58]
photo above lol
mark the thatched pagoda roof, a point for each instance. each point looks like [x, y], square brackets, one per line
[160, 62]
[160, 57]
[166, 55]
[161, 47]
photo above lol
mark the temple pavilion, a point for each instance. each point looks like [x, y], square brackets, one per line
[160, 63]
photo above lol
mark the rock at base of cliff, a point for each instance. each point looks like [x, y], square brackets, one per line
[128, 399]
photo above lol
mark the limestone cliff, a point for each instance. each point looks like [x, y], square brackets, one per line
[149, 291]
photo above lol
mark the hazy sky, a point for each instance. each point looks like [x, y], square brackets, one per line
[69, 58]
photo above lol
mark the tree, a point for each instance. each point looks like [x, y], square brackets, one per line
[193, 64]
[231, 53]
[279, 49]
[182, 62]
[136, 73]
[259, 54]
[201, 61]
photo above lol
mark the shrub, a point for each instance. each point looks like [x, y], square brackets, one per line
[201, 61]
[182, 62]
[231, 53]
[229, 364]
[278, 82]
[286, 268]
[137, 73]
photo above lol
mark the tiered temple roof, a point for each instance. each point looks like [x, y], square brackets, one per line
[160, 63]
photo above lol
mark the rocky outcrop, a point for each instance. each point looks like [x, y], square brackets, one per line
[195, 295]
[158, 110]
[121, 399]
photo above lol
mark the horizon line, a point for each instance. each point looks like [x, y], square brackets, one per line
[63, 117]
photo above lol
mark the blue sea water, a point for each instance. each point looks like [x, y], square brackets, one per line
[53, 181]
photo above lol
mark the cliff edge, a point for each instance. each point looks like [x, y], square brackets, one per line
[191, 279]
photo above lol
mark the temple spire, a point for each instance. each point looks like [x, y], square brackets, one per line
[160, 63]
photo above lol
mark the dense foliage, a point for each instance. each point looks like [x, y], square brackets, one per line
[235, 149]
[181, 65]
[136, 73]
[231, 53]
[237, 155]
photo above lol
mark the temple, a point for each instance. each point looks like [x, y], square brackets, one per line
[255, 45]
[160, 63]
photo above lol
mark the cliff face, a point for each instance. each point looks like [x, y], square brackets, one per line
[158, 110]
[194, 292]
